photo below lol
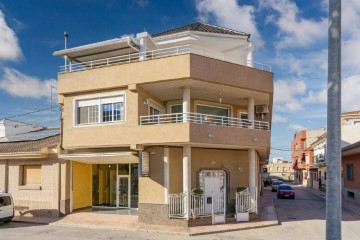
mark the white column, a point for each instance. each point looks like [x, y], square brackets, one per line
[187, 178]
[142, 49]
[166, 174]
[252, 168]
[186, 103]
[251, 110]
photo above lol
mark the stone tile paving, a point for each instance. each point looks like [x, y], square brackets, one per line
[267, 217]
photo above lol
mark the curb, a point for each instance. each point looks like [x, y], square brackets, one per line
[344, 205]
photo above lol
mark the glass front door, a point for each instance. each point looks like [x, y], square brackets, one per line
[115, 185]
[123, 192]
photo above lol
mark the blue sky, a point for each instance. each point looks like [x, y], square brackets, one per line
[291, 36]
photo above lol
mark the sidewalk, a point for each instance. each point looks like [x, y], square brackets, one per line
[346, 203]
[267, 217]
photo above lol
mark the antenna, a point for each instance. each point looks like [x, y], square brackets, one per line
[66, 36]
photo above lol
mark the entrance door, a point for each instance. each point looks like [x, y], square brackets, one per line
[123, 192]
[214, 185]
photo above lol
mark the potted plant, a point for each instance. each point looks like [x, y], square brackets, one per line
[240, 189]
[197, 191]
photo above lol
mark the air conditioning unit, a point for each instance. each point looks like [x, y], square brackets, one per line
[261, 109]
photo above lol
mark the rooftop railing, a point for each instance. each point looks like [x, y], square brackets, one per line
[201, 118]
[160, 53]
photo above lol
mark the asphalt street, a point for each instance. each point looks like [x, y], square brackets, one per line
[302, 218]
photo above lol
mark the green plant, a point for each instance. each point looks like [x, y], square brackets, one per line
[240, 189]
[197, 191]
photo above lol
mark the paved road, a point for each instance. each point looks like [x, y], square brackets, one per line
[302, 218]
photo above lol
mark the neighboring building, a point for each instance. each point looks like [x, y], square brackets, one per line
[30, 169]
[277, 159]
[280, 170]
[350, 133]
[189, 103]
[319, 149]
[302, 156]
[351, 171]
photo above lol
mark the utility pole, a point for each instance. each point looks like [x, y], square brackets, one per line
[333, 158]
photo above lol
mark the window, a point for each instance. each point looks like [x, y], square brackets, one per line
[100, 110]
[5, 201]
[277, 168]
[284, 169]
[153, 111]
[30, 175]
[176, 108]
[270, 169]
[324, 175]
[350, 194]
[350, 172]
[212, 114]
[212, 110]
[289, 168]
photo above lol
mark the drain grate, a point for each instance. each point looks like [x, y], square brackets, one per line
[292, 218]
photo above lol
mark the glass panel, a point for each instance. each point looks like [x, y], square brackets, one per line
[123, 169]
[134, 185]
[107, 112]
[176, 108]
[118, 109]
[213, 110]
[123, 191]
[104, 185]
[89, 114]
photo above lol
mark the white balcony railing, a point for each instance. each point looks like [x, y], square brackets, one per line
[160, 53]
[202, 119]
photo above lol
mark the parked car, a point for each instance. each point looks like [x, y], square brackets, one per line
[7, 209]
[275, 185]
[285, 191]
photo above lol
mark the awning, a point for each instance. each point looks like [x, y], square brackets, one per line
[102, 158]
[100, 50]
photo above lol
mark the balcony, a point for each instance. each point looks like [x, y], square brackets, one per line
[319, 160]
[159, 53]
[206, 119]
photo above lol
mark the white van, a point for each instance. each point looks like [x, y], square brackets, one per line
[7, 209]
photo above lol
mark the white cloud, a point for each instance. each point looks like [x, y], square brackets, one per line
[350, 97]
[294, 31]
[316, 97]
[286, 93]
[9, 44]
[296, 127]
[278, 119]
[142, 3]
[18, 84]
[229, 13]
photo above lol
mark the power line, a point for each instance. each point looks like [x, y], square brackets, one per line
[27, 113]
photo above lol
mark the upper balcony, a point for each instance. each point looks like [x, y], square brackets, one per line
[160, 53]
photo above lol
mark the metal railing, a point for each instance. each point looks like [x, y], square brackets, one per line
[199, 205]
[160, 53]
[201, 118]
[246, 201]
[177, 203]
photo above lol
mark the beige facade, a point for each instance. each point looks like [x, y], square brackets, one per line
[191, 114]
[281, 170]
[37, 179]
